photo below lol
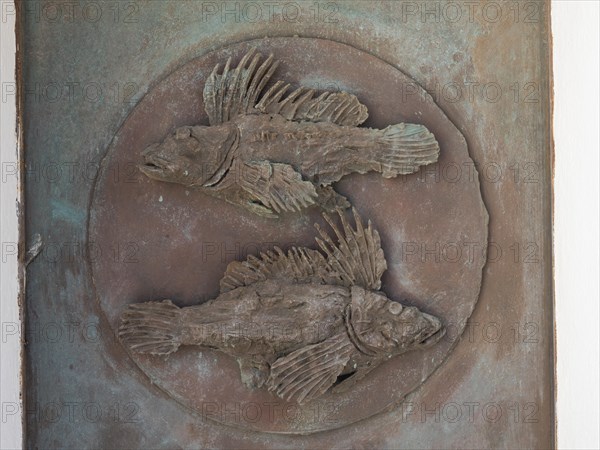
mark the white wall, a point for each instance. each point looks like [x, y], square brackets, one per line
[576, 80]
[10, 352]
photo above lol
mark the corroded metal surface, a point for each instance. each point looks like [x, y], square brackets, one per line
[177, 230]
[485, 68]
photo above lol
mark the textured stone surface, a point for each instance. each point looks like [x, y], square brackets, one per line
[508, 137]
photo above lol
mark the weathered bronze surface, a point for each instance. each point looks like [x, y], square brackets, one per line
[270, 152]
[189, 238]
[98, 93]
[295, 321]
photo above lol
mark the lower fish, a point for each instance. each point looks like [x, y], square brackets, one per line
[299, 323]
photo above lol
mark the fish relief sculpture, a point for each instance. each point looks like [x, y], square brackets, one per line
[299, 323]
[276, 152]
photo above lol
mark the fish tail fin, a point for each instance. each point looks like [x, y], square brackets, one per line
[402, 148]
[151, 327]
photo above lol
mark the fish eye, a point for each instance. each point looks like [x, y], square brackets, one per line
[410, 312]
[387, 333]
[395, 308]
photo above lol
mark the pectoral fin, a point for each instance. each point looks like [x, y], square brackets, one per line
[309, 372]
[277, 187]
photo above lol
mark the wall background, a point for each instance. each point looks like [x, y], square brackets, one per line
[575, 43]
[10, 321]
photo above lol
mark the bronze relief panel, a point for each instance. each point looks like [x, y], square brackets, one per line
[287, 316]
[334, 236]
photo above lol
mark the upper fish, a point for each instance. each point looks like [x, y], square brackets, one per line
[272, 151]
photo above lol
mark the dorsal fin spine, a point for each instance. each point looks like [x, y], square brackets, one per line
[264, 79]
[250, 76]
[341, 246]
[354, 248]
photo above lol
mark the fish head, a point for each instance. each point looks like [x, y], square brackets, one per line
[189, 155]
[385, 327]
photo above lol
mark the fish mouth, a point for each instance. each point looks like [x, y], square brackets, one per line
[151, 169]
[154, 166]
[437, 335]
[433, 338]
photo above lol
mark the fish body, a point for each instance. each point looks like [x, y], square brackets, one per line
[296, 321]
[271, 153]
[267, 318]
[322, 152]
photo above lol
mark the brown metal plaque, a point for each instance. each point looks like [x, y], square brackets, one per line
[190, 235]
[466, 237]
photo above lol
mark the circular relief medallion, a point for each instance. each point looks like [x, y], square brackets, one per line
[175, 242]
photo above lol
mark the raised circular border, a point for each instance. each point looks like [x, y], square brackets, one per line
[441, 213]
